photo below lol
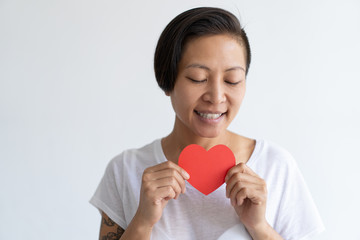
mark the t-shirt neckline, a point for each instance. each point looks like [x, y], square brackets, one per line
[160, 155]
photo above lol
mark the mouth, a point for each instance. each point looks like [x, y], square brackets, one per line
[210, 116]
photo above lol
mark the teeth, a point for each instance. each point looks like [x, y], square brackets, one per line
[210, 115]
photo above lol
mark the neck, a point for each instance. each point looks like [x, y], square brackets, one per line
[181, 137]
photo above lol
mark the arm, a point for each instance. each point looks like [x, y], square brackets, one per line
[248, 195]
[265, 232]
[160, 183]
[109, 229]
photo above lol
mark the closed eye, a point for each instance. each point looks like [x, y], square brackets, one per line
[233, 83]
[196, 81]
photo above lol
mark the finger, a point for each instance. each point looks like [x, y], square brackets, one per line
[239, 168]
[169, 165]
[250, 171]
[169, 172]
[243, 178]
[168, 181]
[245, 193]
[244, 188]
[239, 198]
[165, 193]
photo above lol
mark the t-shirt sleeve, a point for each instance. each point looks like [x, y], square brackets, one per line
[108, 195]
[298, 217]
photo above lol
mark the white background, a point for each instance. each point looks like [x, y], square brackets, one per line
[77, 87]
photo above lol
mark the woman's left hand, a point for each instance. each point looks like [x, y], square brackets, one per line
[248, 194]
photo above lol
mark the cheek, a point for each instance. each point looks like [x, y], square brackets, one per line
[182, 100]
[237, 98]
[187, 95]
[241, 96]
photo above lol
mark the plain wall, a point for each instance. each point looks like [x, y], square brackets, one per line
[77, 87]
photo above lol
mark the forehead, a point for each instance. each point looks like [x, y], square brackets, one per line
[213, 51]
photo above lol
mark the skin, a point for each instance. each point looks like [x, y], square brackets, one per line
[211, 79]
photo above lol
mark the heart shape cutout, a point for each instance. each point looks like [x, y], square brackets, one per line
[207, 169]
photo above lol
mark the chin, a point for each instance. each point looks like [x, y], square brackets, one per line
[209, 133]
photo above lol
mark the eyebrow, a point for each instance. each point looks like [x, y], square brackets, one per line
[196, 65]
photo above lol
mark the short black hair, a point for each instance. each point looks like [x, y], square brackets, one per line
[192, 23]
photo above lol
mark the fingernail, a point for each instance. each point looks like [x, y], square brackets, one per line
[187, 176]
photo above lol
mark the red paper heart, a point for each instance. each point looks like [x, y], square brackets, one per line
[207, 169]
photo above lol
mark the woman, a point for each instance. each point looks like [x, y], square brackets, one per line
[201, 62]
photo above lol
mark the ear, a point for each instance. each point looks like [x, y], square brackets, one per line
[167, 93]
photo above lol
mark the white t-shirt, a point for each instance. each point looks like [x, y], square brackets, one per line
[290, 209]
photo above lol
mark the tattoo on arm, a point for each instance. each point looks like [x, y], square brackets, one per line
[120, 231]
[108, 222]
[113, 235]
[110, 230]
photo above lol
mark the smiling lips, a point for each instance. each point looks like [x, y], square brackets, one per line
[210, 116]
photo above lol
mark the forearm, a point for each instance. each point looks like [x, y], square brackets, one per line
[137, 230]
[265, 232]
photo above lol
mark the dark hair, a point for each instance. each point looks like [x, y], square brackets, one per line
[189, 24]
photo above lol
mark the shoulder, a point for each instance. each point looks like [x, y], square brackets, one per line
[273, 152]
[271, 158]
[289, 199]
[135, 157]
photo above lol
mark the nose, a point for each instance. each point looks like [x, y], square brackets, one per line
[215, 93]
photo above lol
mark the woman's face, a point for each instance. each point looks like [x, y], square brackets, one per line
[210, 85]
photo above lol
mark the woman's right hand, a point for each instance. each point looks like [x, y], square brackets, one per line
[160, 183]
